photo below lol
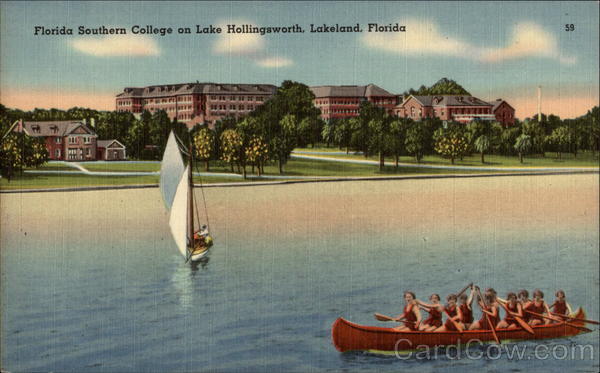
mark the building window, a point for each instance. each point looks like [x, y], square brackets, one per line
[57, 153]
[72, 140]
[87, 152]
[57, 140]
[87, 140]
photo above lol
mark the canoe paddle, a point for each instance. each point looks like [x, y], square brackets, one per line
[381, 317]
[487, 317]
[463, 290]
[456, 325]
[521, 322]
[575, 318]
[582, 328]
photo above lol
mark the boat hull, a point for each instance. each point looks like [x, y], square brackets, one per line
[348, 336]
[197, 256]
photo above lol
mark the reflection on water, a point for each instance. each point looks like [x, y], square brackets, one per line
[184, 281]
[113, 293]
[200, 264]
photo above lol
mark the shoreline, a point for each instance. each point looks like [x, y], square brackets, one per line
[319, 180]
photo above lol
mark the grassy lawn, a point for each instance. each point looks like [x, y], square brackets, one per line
[121, 167]
[308, 167]
[584, 159]
[295, 167]
[54, 166]
[32, 181]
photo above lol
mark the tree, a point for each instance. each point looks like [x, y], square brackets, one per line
[452, 146]
[379, 142]
[398, 137]
[508, 138]
[231, 145]
[18, 151]
[35, 152]
[280, 115]
[536, 131]
[248, 129]
[592, 124]
[11, 158]
[257, 153]
[309, 131]
[482, 144]
[416, 138]
[361, 130]
[443, 86]
[560, 138]
[204, 144]
[342, 134]
[523, 145]
[285, 141]
[328, 133]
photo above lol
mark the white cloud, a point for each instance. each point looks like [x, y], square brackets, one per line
[117, 46]
[274, 62]
[238, 44]
[527, 40]
[423, 37]
[252, 46]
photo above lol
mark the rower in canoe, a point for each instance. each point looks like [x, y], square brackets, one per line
[454, 314]
[514, 308]
[411, 317]
[435, 310]
[491, 310]
[540, 307]
[560, 305]
[466, 310]
[523, 296]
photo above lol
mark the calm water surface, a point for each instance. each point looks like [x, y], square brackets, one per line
[92, 282]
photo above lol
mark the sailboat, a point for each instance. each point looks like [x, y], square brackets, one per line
[177, 189]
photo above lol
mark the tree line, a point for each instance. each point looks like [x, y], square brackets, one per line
[374, 132]
[289, 120]
[270, 133]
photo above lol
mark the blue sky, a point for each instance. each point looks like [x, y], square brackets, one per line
[493, 49]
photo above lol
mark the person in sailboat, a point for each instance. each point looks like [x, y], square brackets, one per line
[202, 238]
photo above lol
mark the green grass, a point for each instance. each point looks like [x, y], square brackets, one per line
[295, 167]
[33, 181]
[583, 159]
[45, 181]
[121, 167]
[54, 166]
[309, 167]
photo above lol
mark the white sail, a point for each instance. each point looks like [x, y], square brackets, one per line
[171, 169]
[178, 221]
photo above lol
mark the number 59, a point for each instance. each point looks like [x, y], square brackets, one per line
[569, 27]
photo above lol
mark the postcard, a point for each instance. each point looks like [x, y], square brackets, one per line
[299, 186]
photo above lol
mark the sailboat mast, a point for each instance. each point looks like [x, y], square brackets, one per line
[190, 209]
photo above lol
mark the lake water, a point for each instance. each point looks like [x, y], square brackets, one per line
[92, 281]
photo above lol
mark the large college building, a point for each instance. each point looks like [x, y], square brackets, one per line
[459, 108]
[193, 103]
[343, 101]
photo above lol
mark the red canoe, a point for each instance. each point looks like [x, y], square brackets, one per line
[348, 336]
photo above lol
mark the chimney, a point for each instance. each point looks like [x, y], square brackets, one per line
[539, 103]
